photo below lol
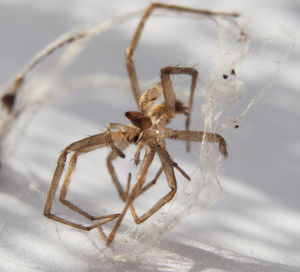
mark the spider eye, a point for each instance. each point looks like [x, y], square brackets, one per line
[139, 119]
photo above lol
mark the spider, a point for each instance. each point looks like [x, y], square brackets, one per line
[147, 130]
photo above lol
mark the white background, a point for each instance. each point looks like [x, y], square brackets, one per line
[254, 226]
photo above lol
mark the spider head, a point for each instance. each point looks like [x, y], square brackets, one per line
[157, 114]
[141, 123]
[139, 119]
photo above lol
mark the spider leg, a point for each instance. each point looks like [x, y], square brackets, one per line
[170, 99]
[122, 146]
[130, 50]
[150, 151]
[153, 182]
[199, 136]
[159, 172]
[122, 194]
[137, 153]
[182, 172]
[143, 189]
[168, 168]
[110, 142]
[64, 189]
[128, 184]
[82, 146]
[51, 195]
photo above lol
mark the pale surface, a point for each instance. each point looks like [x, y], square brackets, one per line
[254, 226]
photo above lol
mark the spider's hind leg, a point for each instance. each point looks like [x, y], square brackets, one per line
[64, 189]
[79, 147]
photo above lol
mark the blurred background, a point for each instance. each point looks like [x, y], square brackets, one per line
[255, 223]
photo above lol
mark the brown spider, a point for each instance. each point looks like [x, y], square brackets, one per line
[147, 129]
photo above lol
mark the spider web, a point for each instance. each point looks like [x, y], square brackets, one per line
[219, 93]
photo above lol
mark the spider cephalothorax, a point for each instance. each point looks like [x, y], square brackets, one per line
[154, 117]
[147, 130]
